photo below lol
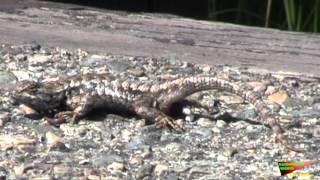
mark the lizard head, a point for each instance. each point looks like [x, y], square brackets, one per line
[41, 97]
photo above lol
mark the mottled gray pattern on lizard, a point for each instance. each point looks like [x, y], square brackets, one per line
[76, 96]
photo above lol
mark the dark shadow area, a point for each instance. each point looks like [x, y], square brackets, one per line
[179, 7]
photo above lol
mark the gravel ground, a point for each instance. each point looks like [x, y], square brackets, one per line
[225, 142]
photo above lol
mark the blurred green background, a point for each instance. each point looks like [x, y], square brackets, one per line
[293, 15]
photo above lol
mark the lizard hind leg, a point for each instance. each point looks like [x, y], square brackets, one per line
[156, 116]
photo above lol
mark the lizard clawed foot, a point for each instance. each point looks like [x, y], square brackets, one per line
[61, 118]
[156, 116]
[168, 122]
[55, 121]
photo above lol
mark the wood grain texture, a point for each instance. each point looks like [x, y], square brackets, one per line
[160, 36]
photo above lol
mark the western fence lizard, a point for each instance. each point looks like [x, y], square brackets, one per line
[77, 95]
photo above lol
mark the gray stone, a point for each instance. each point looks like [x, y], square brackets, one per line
[95, 60]
[306, 113]
[221, 124]
[312, 100]
[248, 114]
[7, 80]
[136, 143]
[117, 66]
[105, 159]
[203, 132]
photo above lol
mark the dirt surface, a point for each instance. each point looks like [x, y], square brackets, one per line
[73, 27]
[224, 138]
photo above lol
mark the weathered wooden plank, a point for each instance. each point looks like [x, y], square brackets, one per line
[163, 36]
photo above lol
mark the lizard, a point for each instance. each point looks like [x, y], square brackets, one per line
[75, 96]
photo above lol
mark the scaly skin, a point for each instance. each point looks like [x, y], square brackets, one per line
[76, 96]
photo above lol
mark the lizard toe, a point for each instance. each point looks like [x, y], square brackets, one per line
[55, 121]
[168, 122]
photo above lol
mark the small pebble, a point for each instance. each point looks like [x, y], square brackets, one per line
[205, 122]
[257, 86]
[4, 117]
[279, 97]
[39, 58]
[160, 169]
[221, 124]
[115, 166]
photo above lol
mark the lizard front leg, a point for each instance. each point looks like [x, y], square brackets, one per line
[60, 118]
[79, 108]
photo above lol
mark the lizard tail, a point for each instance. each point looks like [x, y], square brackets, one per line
[200, 83]
[280, 137]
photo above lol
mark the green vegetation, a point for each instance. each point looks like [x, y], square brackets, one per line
[293, 15]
